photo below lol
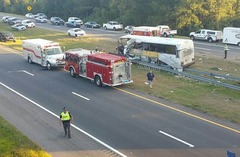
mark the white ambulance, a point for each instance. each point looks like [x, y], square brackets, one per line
[44, 52]
[231, 35]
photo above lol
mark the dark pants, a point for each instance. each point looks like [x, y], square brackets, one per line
[225, 54]
[66, 126]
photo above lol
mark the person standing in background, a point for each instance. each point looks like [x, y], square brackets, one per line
[150, 77]
[226, 49]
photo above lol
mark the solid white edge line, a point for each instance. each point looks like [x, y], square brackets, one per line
[84, 132]
[80, 96]
[177, 139]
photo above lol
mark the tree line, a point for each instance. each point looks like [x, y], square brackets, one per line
[183, 15]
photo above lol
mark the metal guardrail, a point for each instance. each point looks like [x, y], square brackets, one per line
[196, 77]
[226, 77]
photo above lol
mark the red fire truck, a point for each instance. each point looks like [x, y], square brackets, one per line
[102, 68]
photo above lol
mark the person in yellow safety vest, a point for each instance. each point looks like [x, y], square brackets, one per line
[225, 50]
[66, 119]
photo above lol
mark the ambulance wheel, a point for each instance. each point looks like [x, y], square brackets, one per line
[72, 72]
[238, 44]
[98, 81]
[49, 66]
[29, 60]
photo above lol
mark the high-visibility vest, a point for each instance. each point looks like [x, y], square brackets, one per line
[65, 116]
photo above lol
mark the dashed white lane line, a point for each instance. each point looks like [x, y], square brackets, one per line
[45, 109]
[177, 139]
[80, 96]
[24, 71]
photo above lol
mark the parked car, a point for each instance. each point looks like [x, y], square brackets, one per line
[57, 21]
[128, 29]
[76, 19]
[19, 27]
[28, 23]
[92, 24]
[40, 15]
[73, 24]
[6, 36]
[5, 18]
[13, 20]
[29, 15]
[76, 32]
[41, 20]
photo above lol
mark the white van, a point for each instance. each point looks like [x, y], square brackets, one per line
[231, 35]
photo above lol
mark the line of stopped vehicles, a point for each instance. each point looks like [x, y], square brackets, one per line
[229, 35]
[74, 23]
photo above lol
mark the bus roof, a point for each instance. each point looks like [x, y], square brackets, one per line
[156, 40]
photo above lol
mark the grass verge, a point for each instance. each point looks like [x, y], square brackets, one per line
[14, 144]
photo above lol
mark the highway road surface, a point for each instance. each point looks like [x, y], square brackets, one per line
[107, 121]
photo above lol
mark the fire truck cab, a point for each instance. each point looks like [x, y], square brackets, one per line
[102, 68]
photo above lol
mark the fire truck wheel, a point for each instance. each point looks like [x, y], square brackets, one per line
[29, 60]
[98, 81]
[49, 66]
[72, 72]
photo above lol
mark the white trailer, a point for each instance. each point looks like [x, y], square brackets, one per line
[44, 52]
[231, 35]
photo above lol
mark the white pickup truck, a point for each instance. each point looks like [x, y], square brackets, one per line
[113, 25]
[206, 34]
[166, 31]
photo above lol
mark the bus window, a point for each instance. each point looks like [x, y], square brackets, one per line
[170, 49]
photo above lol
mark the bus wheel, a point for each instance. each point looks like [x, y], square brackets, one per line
[49, 66]
[72, 72]
[98, 81]
[29, 60]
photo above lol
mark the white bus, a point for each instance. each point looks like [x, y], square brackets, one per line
[177, 53]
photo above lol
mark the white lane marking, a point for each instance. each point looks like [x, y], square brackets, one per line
[202, 48]
[80, 96]
[45, 109]
[27, 72]
[24, 71]
[177, 139]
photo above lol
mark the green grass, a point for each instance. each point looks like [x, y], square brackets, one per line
[210, 99]
[14, 144]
